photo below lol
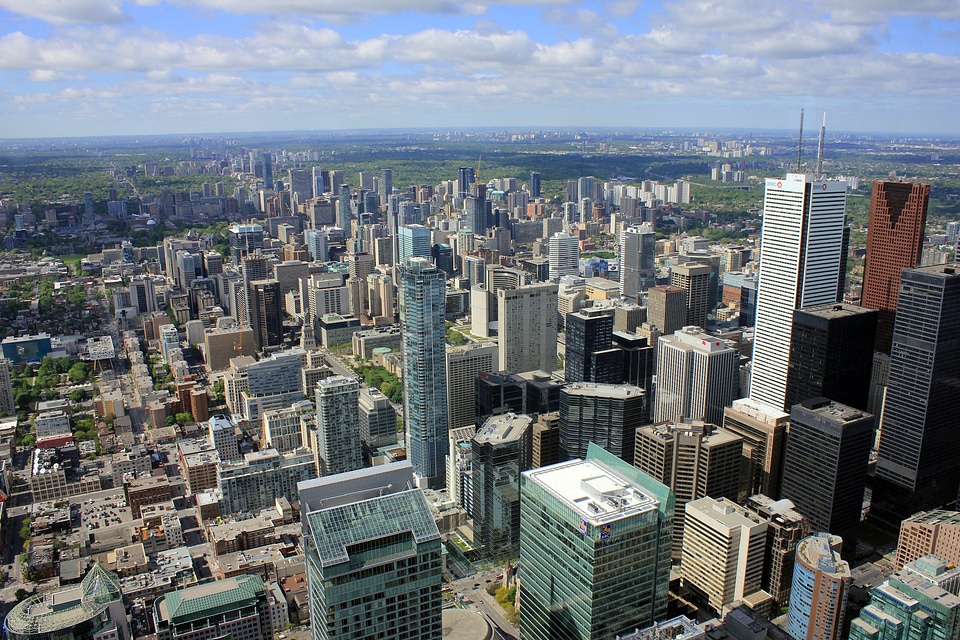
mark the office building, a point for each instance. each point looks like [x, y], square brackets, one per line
[831, 354]
[254, 483]
[339, 447]
[498, 392]
[694, 459]
[638, 268]
[929, 533]
[800, 257]
[916, 466]
[825, 466]
[144, 295]
[898, 217]
[604, 414]
[697, 376]
[236, 608]
[696, 280]
[266, 318]
[534, 184]
[667, 308]
[722, 559]
[527, 337]
[590, 332]
[818, 597]
[786, 527]
[460, 467]
[546, 440]
[422, 289]
[502, 450]
[463, 365]
[564, 255]
[764, 432]
[638, 359]
[414, 241]
[245, 240]
[378, 419]
[90, 610]
[595, 549]
[908, 606]
[372, 552]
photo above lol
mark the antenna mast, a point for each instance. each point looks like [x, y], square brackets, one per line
[800, 141]
[823, 128]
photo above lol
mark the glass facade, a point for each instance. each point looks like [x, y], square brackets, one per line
[584, 578]
[422, 289]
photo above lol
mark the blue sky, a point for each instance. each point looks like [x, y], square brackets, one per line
[95, 67]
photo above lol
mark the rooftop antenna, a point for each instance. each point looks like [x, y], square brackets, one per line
[823, 128]
[800, 141]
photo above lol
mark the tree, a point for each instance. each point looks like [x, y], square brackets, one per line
[78, 395]
[21, 594]
[25, 530]
[79, 373]
[170, 421]
[184, 418]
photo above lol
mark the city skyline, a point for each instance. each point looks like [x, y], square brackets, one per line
[102, 67]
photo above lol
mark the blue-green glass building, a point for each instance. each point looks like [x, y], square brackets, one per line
[595, 542]
[908, 606]
[373, 556]
[422, 302]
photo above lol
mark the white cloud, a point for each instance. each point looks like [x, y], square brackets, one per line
[67, 11]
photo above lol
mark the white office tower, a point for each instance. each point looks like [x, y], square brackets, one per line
[696, 377]
[528, 328]
[800, 254]
[638, 267]
[564, 255]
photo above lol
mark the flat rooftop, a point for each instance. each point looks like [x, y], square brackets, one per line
[594, 491]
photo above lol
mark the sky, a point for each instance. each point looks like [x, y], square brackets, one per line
[101, 67]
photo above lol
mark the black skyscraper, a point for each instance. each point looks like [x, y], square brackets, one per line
[825, 466]
[917, 466]
[831, 354]
[588, 331]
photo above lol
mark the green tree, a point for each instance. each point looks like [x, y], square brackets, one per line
[79, 373]
[25, 530]
[170, 421]
[21, 594]
[78, 395]
[184, 418]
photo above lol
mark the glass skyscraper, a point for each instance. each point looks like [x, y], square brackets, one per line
[422, 293]
[373, 556]
[595, 542]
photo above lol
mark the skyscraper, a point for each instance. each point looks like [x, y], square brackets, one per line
[372, 553]
[786, 527]
[831, 354]
[800, 250]
[638, 267]
[588, 331]
[722, 552]
[764, 432]
[696, 377]
[825, 466]
[378, 419]
[502, 450]
[595, 549]
[475, 206]
[338, 425]
[898, 217]
[916, 466]
[818, 596]
[422, 289]
[603, 414]
[266, 306]
[667, 308]
[528, 327]
[696, 280]
[464, 180]
[564, 255]
[463, 365]
[534, 184]
[694, 459]
[414, 241]
[267, 171]
[7, 406]
[386, 186]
